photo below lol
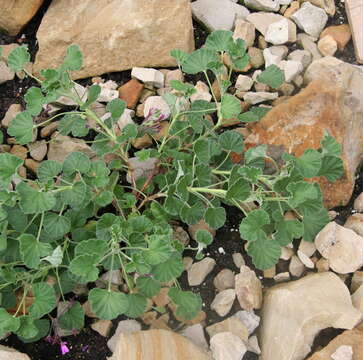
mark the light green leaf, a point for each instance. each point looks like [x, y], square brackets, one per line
[179, 55]
[255, 156]
[331, 167]
[170, 269]
[33, 201]
[250, 173]
[56, 225]
[140, 224]
[73, 318]
[204, 237]
[74, 58]
[188, 304]
[314, 222]
[185, 88]
[287, 230]
[107, 304]
[273, 76]
[248, 116]
[264, 252]
[300, 192]
[192, 214]
[76, 162]
[137, 305]
[27, 329]
[309, 163]
[202, 150]
[230, 106]
[35, 100]
[199, 61]
[56, 257]
[215, 217]
[92, 95]
[9, 165]
[218, 40]
[240, 190]
[21, 127]
[31, 250]
[18, 58]
[76, 195]
[251, 227]
[93, 247]
[48, 170]
[104, 198]
[158, 251]
[148, 286]
[231, 141]
[116, 107]
[85, 266]
[45, 300]
[8, 323]
[330, 145]
[73, 123]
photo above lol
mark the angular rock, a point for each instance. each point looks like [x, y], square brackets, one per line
[253, 345]
[305, 260]
[249, 319]
[308, 248]
[199, 271]
[343, 352]
[327, 45]
[103, 327]
[243, 83]
[38, 150]
[282, 277]
[139, 169]
[263, 5]
[223, 301]
[224, 280]
[14, 109]
[274, 55]
[195, 333]
[15, 14]
[248, 289]
[340, 33]
[124, 326]
[355, 223]
[256, 57]
[342, 247]
[294, 312]
[262, 20]
[7, 353]
[232, 324]
[327, 5]
[150, 77]
[353, 338]
[358, 202]
[259, 97]
[291, 69]
[227, 346]
[357, 298]
[218, 14]
[202, 92]
[156, 107]
[296, 267]
[156, 345]
[310, 19]
[111, 41]
[303, 56]
[131, 92]
[5, 73]
[357, 281]
[331, 102]
[244, 30]
[281, 32]
[308, 43]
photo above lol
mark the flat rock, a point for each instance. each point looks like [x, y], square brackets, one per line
[244, 30]
[355, 223]
[218, 14]
[357, 298]
[14, 109]
[249, 319]
[353, 338]
[262, 20]
[15, 14]
[224, 280]
[195, 333]
[7, 353]
[232, 324]
[199, 270]
[331, 102]
[327, 5]
[340, 33]
[5, 73]
[156, 345]
[281, 32]
[124, 326]
[274, 55]
[223, 301]
[110, 40]
[293, 313]
[263, 5]
[103, 327]
[259, 97]
[342, 247]
[354, 9]
[227, 346]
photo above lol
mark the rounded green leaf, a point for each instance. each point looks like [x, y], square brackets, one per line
[85, 266]
[192, 214]
[48, 170]
[18, 58]
[287, 230]
[31, 250]
[240, 190]
[199, 61]
[273, 76]
[204, 237]
[230, 106]
[56, 225]
[169, 270]
[73, 59]
[108, 304]
[45, 300]
[301, 191]
[251, 226]
[137, 305]
[264, 252]
[27, 329]
[92, 247]
[231, 141]
[218, 40]
[42, 326]
[331, 167]
[104, 198]
[9, 165]
[21, 127]
[215, 217]
[73, 318]
[148, 286]
[8, 323]
[116, 107]
[187, 303]
[76, 162]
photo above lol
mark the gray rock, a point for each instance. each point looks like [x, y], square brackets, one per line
[355, 223]
[223, 301]
[140, 168]
[195, 333]
[5, 73]
[259, 97]
[218, 14]
[262, 20]
[199, 270]
[224, 280]
[227, 346]
[308, 43]
[156, 105]
[243, 83]
[263, 5]
[291, 69]
[281, 32]
[274, 55]
[256, 57]
[38, 150]
[303, 56]
[310, 18]
[249, 319]
[148, 76]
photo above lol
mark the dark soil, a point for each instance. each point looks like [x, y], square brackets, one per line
[89, 345]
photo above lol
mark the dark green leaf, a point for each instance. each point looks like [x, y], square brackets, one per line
[21, 127]
[45, 300]
[56, 225]
[231, 141]
[76, 162]
[170, 269]
[8, 323]
[148, 286]
[74, 58]
[116, 107]
[230, 106]
[137, 305]
[73, 123]
[287, 230]
[215, 217]
[300, 192]
[73, 318]
[251, 227]
[187, 303]
[192, 214]
[314, 222]
[48, 170]
[273, 76]
[9, 165]
[199, 61]
[240, 190]
[265, 252]
[331, 167]
[32, 250]
[85, 266]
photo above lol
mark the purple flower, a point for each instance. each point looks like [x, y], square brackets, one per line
[64, 347]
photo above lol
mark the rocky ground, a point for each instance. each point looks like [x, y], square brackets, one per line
[310, 306]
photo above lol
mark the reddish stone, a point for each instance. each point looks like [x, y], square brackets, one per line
[131, 92]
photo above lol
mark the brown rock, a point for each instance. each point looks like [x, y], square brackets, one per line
[232, 324]
[14, 109]
[103, 327]
[116, 35]
[327, 45]
[156, 345]
[32, 165]
[162, 299]
[49, 129]
[131, 92]
[38, 150]
[161, 322]
[19, 151]
[354, 9]
[340, 33]
[357, 281]
[294, 6]
[353, 338]
[15, 14]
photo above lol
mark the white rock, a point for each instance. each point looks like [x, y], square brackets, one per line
[291, 69]
[308, 43]
[263, 5]
[274, 55]
[140, 168]
[227, 346]
[262, 20]
[305, 260]
[342, 247]
[106, 94]
[358, 203]
[124, 326]
[249, 319]
[357, 281]
[243, 83]
[308, 248]
[199, 271]
[296, 267]
[259, 97]
[231, 324]
[327, 45]
[355, 223]
[238, 259]
[224, 280]
[282, 277]
[310, 19]
[7, 353]
[357, 298]
[253, 345]
[218, 14]
[202, 92]
[303, 56]
[5, 73]
[195, 333]
[148, 76]
[158, 106]
[281, 32]
[344, 352]
[125, 119]
[293, 313]
[223, 301]
[244, 30]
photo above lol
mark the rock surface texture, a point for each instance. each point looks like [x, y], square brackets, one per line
[114, 35]
[332, 101]
[294, 312]
[7, 353]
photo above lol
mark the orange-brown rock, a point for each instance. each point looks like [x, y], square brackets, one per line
[131, 92]
[340, 33]
[353, 338]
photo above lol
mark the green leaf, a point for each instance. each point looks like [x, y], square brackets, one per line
[309, 163]
[199, 61]
[170, 269]
[73, 123]
[32, 250]
[33, 201]
[148, 286]
[107, 304]
[250, 173]
[248, 116]
[56, 257]
[204, 237]
[188, 304]
[240, 190]
[273, 76]
[287, 230]
[158, 250]
[202, 150]
[73, 318]
[185, 88]
[42, 326]
[140, 224]
[76, 162]
[314, 222]
[45, 300]
[192, 214]
[35, 100]
[256, 156]
[116, 107]
[27, 329]
[18, 58]
[231, 141]
[215, 217]
[74, 58]
[85, 266]
[218, 40]
[331, 167]
[331, 146]
[300, 192]
[76, 195]
[8, 323]
[179, 55]
[137, 305]
[230, 106]
[104, 198]
[21, 127]
[56, 225]
[92, 95]
[94, 247]
[251, 227]
[9, 165]
[264, 252]
[48, 170]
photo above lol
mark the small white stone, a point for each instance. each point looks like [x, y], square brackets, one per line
[253, 345]
[305, 260]
[274, 55]
[259, 97]
[148, 76]
[223, 301]
[202, 92]
[308, 248]
[281, 277]
[302, 56]
[238, 259]
[291, 69]
[344, 352]
[296, 267]
[281, 32]
[263, 5]
[227, 346]
[243, 83]
[158, 106]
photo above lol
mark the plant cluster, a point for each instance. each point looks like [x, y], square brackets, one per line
[78, 219]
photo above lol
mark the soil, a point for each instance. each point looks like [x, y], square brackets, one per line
[88, 344]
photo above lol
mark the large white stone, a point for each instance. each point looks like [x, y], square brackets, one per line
[274, 55]
[7, 353]
[227, 346]
[281, 32]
